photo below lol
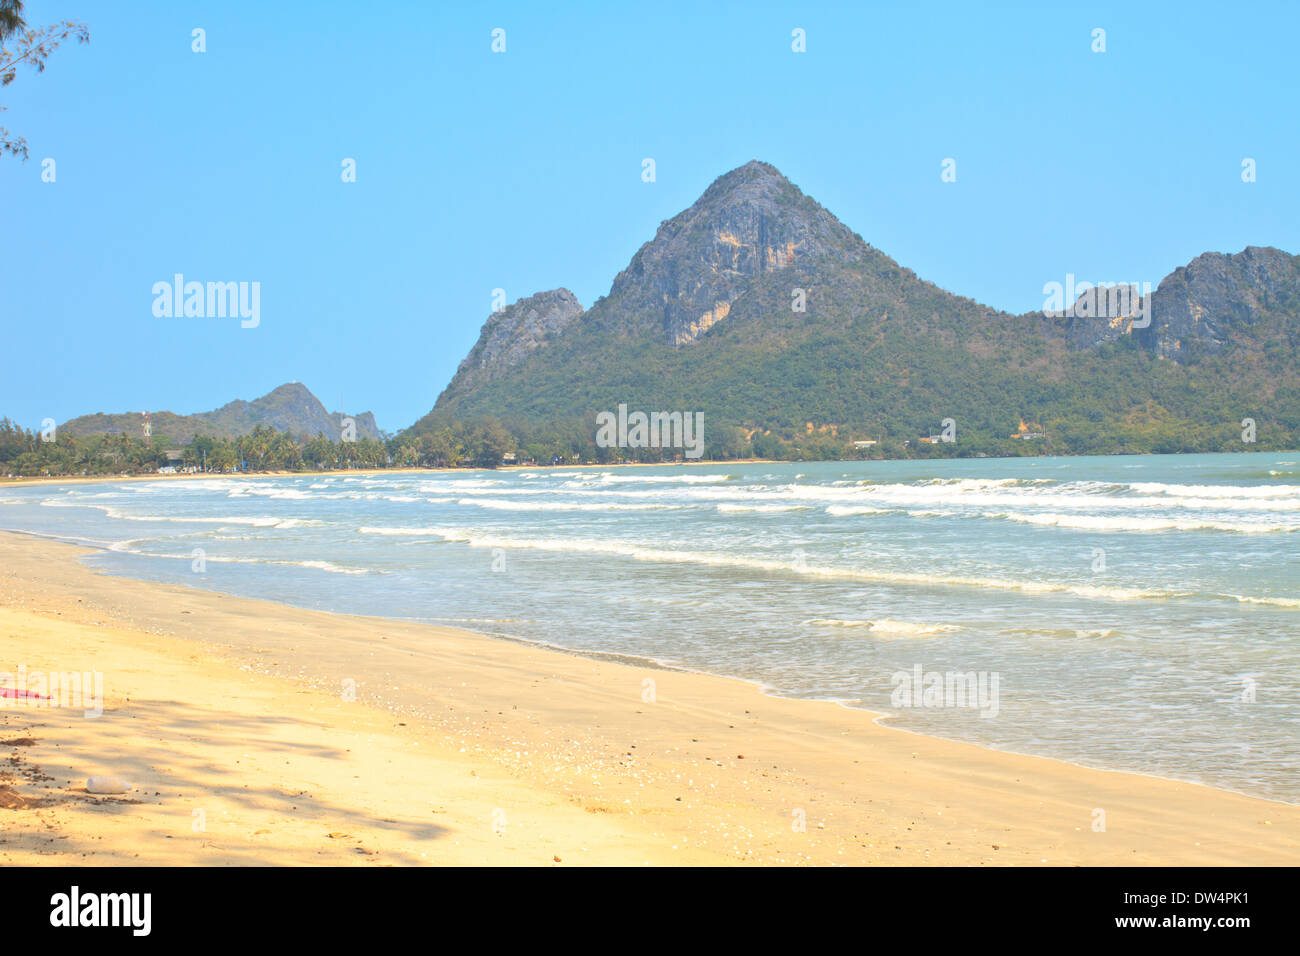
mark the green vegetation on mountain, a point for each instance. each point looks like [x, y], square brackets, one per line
[290, 408]
[704, 319]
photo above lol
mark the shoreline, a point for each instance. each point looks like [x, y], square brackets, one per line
[20, 480]
[707, 769]
[880, 718]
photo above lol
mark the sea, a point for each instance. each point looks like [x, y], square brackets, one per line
[1137, 613]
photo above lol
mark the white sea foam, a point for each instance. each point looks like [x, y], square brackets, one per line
[653, 553]
[623, 478]
[964, 493]
[1215, 491]
[1142, 524]
[729, 508]
[458, 485]
[290, 494]
[889, 628]
[505, 504]
[256, 521]
[318, 565]
[1273, 601]
[412, 532]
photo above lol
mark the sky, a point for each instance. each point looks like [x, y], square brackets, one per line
[522, 170]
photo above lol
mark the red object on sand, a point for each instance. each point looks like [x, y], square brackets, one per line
[28, 694]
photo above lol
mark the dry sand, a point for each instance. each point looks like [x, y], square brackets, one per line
[232, 718]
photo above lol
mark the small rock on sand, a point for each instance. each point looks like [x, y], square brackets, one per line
[107, 785]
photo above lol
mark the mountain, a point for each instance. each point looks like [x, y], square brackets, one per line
[289, 408]
[752, 224]
[513, 332]
[1217, 301]
[760, 309]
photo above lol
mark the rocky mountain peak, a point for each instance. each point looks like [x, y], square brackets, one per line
[1216, 297]
[291, 407]
[511, 333]
[751, 222]
[751, 181]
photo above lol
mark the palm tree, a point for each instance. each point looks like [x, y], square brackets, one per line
[11, 18]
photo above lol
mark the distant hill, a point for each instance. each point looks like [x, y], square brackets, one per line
[289, 408]
[760, 309]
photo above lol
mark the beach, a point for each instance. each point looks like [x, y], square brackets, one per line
[258, 733]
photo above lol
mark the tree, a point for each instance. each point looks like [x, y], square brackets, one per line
[406, 454]
[11, 18]
[31, 47]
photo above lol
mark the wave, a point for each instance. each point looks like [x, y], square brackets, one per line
[1273, 601]
[611, 478]
[184, 487]
[505, 504]
[414, 532]
[965, 492]
[318, 565]
[1141, 524]
[321, 565]
[292, 494]
[1215, 491]
[458, 485]
[979, 483]
[1072, 496]
[888, 627]
[650, 553]
[80, 539]
[256, 521]
[1075, 496]
[730, 508]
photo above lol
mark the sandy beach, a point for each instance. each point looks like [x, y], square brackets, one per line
[257, 733]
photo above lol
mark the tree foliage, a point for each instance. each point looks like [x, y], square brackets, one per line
[20, 46]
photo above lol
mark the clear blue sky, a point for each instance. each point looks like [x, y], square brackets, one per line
[522, 170]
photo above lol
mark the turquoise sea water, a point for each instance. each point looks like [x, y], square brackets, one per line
[1138, 613]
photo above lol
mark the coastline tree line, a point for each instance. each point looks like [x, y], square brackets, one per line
[489, 443]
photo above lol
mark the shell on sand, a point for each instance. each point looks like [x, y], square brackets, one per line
[107, 785]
